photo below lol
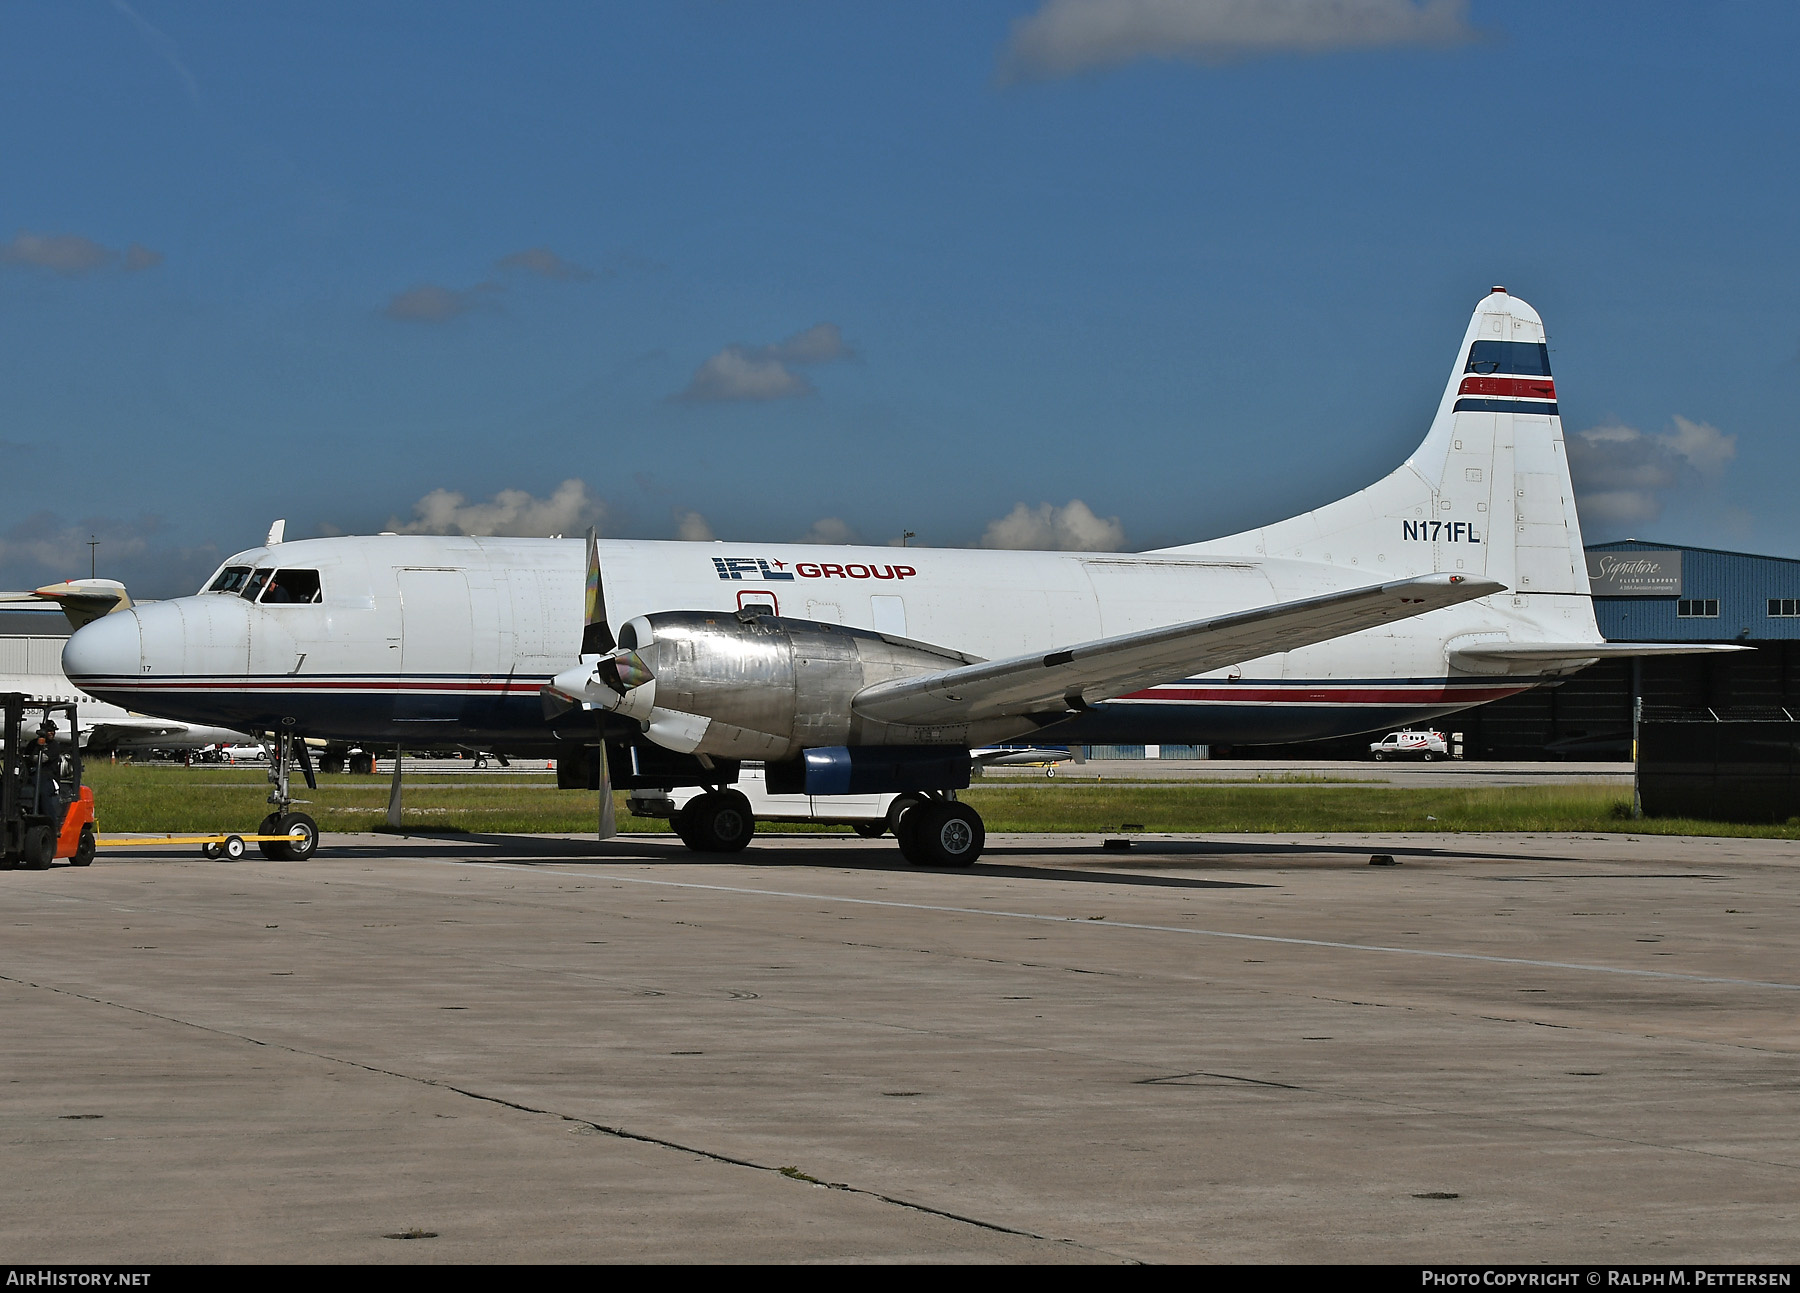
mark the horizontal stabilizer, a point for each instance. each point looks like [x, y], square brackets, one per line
[82, 600]
[1535, 651]
[1094, 671]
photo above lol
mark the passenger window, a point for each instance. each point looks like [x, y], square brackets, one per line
[293, 587]
[255, 585]
[230, 580]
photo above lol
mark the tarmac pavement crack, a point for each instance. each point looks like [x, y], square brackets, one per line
[790, 1173]
[619, 1133]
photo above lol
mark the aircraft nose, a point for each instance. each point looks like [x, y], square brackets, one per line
[110, 647]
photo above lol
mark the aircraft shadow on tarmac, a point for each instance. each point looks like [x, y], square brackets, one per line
[1146, 856]
[524, 851]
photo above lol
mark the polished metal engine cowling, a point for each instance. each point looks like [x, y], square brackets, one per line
[757, 686]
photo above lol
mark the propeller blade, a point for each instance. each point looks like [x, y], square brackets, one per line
[555, 703]
[596, 634]
[609, 825]
[393, 813]
[623, 670]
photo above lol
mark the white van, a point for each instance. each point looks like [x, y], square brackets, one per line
[1411, 745]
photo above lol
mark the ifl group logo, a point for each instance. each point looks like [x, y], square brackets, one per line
[741, 568]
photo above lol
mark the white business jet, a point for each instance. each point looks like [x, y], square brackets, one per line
[1457, 579]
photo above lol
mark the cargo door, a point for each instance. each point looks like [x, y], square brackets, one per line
[436, 651]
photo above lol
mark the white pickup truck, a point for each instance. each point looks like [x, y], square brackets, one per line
[868, 815]
[1411, 745]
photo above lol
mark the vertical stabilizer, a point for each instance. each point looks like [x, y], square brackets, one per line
[1486, 493]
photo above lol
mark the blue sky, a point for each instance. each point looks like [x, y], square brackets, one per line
[1080, 272]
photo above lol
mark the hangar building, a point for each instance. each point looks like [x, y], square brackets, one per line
[1643, 592]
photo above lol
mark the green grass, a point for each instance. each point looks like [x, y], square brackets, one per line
[220, 799]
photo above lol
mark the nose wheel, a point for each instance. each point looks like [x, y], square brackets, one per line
[302, 832]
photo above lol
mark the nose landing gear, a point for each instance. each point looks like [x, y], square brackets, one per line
[302, 832]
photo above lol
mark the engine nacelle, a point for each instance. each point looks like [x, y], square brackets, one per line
[756, 686]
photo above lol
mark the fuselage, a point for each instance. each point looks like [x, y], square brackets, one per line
[421, 640]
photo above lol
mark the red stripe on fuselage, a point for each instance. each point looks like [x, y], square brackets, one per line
[1252, 693]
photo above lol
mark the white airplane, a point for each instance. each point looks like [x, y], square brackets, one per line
[32, 666]
[1457, 579]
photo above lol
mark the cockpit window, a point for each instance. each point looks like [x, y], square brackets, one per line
[295, 587]
[1520, 358]
[230, 580]
[254, 585]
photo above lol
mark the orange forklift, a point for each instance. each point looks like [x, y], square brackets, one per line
[45, 811]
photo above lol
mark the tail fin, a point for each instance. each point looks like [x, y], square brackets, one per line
[1487, 492]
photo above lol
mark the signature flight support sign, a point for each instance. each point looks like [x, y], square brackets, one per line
[1635, 574]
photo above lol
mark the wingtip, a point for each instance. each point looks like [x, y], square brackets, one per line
[1467, 587]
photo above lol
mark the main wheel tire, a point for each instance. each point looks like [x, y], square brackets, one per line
[683, 826]
[944, 834]
[869, 830]
[898, 810]
[720, 822]
[362, 763]
[274, 850]
[39, 848]
[303, 837]
[85, 848]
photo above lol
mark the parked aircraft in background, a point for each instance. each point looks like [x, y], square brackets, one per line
[32, 665]
[1457, 579]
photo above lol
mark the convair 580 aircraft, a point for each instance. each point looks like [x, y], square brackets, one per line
[1457, 579]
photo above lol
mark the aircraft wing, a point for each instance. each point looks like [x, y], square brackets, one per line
[1548, 652]
[109, 731]
[1059, 681]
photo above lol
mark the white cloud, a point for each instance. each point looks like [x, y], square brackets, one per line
[764, 372]
[545, 264]
[71, 255]
[511, 513]
[1070, 528]
[831, 529]
[1623, 476]
[691, 527]
[1065, 37]
[432, 303]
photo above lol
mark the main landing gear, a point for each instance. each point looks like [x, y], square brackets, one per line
[719, 821]
[933, 829]
[937, 831]
[302, 831]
